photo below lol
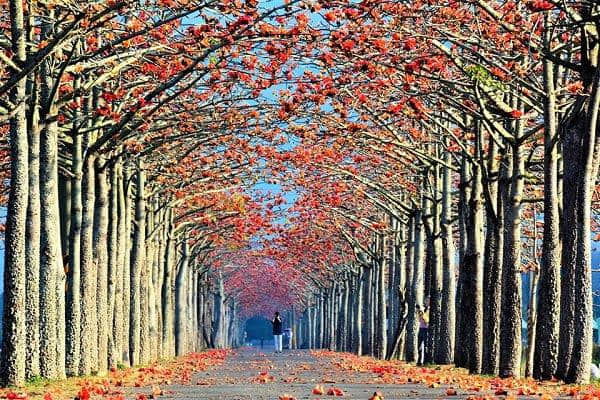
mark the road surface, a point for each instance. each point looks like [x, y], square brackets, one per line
[262, 375]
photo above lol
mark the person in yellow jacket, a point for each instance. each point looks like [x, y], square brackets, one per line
[423, 314]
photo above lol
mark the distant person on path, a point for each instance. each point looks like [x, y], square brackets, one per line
[423, 330]
[278, 332]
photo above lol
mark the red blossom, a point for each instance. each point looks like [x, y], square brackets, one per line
[516, 114]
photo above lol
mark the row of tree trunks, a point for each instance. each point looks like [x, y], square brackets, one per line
[118, 271]
[475, 319]
[91, 250]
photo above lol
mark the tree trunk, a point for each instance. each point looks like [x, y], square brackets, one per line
[358, 321]
[311, 322]
[436, 282]
[510, 326]
[115, 289]
[368, 310]
[145, 304]
[350, 314]
[321, 332]
[61, 282]
[392, 285]
[64, 192]
[181, 299]
[445, 353]
[549, 311]
[472, 285]
[332, 316]
[218, 321]
[12, 371]
[89, 325]
[138, 263]
[418, 282]
[411, 327]
[32, 251]
[195, 308]
[50, 250]
[381, 296]
[124, 260]
[160, 282]
[101, 261]
[153, 289]
[461, 353]
[402, 281]
[582, 149]
[73, 299]
[343, 316]
[494, 243]
[200, 316]
[166, 288]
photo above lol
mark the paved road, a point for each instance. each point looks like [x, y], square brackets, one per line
[294, 373]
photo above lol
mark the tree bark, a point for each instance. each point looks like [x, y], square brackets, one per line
[101, 260]
[344, 315]
[115, 289]
[461, 343]
[166, 288]
[392, 285]
[32, 282]
[549, 312]
[472, 285]
[73, 299]
[321, 331]
[217, 326]
[89, 323]
[510, 326]
[445, 354]
[332, 316]
[138, 263]
[436, 268]
[368, 309]
[417, 288]
[584, 146]
[50, 250]
[181, 299]
[124, 256]
[496, 188]
[153, 282]
[12, 371]
[382, 300]
[410, 350]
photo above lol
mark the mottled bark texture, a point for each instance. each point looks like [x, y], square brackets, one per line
[548, 311]
[101, 259]
[417, 288]
[382, 295]
[180, 302]
[32, 252]
[89, 325]
[510, 327]
[138, 260]
[445, 350]
[50, 247]
[492, 296]
[12, 368]
[471, 300]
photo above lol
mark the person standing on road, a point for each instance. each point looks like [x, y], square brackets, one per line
[278, 332]
[423, 331]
